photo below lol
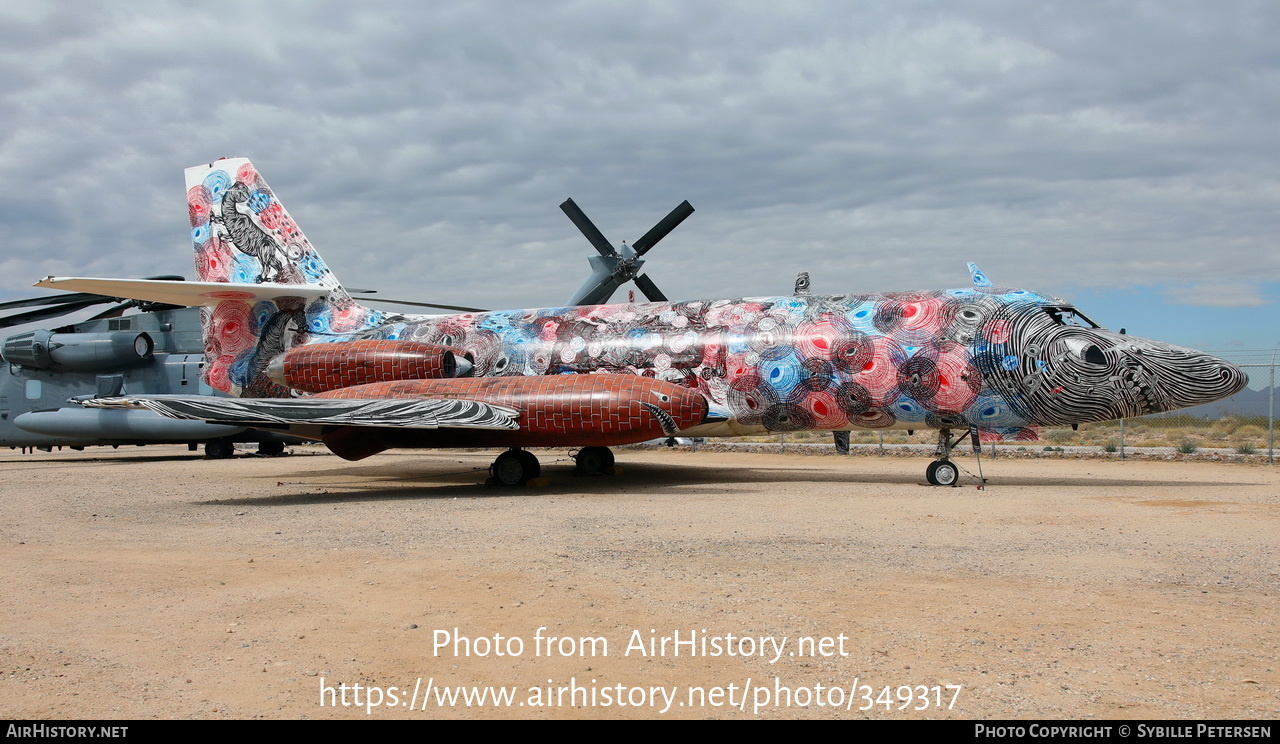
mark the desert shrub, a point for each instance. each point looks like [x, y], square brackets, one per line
[1246, 449]
[1187, 447]
[1226, 425]
[1252, 431]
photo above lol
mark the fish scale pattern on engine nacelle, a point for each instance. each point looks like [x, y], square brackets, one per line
[316, 368]
[599, 408]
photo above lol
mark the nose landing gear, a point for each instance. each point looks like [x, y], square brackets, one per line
[943, 472]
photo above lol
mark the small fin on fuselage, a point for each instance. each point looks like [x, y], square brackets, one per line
[979, 279]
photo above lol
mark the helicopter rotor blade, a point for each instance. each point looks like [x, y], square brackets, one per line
[589, 230]
[118, 310]
[61, 304]
[660, 230]
[650, 289]
[53, 311]
[425, 304]
[61, 299]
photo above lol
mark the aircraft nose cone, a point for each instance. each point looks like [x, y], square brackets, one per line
[1231, 379]
[1186, 377]
[1209, 379]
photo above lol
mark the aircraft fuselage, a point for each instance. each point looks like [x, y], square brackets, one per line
[1001, 360]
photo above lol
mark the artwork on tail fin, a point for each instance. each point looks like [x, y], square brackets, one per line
[242, 234]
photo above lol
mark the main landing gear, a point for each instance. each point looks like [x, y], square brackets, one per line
[515, 467]
[593, 460]
[943, 472]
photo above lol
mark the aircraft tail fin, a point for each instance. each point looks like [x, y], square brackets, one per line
[262, 286]
[242, 233]
[244, 237]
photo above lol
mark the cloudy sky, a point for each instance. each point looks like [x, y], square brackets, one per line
[1123, 155]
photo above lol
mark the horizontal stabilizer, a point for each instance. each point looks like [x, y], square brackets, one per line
[413, 413]
[190, 294]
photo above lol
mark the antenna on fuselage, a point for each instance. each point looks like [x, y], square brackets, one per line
[979, 279]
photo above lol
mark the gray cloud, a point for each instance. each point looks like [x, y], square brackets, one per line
[424, 148]
[1218, 295]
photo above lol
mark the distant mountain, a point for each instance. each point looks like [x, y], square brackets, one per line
[1244, 403]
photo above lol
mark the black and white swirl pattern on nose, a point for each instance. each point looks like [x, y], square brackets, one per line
[1054, 374]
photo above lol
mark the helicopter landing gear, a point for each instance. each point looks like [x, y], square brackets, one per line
[219, 449]
[271, 448]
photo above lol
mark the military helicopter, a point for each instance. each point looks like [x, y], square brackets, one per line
[157, 351]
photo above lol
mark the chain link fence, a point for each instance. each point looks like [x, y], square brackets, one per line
[1240, 428]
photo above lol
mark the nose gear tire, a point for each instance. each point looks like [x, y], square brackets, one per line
[942, 473]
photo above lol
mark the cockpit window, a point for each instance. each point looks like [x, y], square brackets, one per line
[1084, 349]
[1069, 316]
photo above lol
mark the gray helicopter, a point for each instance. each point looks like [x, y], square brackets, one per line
[158, 351]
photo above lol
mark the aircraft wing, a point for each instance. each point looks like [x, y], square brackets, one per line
[413, 413]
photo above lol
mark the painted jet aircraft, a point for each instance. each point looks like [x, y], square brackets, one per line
[304, 357]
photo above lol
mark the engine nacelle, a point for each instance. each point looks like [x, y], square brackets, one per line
[318, 368]
[79, 352]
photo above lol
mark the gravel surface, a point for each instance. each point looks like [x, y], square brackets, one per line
[150, 583]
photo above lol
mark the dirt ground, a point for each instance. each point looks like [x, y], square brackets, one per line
[149, 583]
